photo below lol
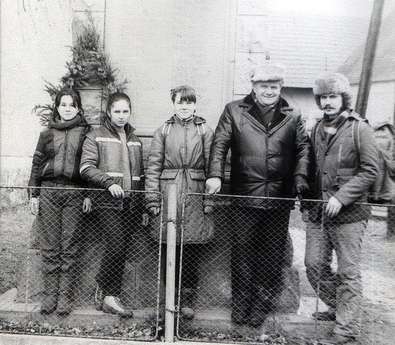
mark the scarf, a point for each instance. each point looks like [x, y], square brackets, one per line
[266, 112]
[58, 124]
[331, 125]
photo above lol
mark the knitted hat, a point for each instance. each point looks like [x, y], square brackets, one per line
[335, 83]
[267, 72]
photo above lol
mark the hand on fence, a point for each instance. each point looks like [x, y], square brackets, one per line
[116, 191]
[87, 205]
[33, 203]
[213, 185]
[154, 211]
[333, 208]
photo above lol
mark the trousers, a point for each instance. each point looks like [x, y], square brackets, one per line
[258, 256]
[341, 289]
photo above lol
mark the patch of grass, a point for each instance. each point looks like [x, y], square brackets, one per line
[15, 232]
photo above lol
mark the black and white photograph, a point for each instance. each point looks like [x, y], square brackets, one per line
[218, 172]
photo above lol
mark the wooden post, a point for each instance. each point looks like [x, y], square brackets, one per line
[366, 74]
[171, 264]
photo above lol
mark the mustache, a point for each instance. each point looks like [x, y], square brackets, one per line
[328, 107]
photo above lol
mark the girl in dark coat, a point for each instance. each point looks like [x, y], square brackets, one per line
[56, 164]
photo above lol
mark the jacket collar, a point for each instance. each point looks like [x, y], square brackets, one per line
[248, 102]
[282, 112]
[108, 124]
[197, 120]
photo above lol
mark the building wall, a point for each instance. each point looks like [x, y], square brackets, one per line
[157, 45]
[35, 36]
[160, 44]
[381, 102]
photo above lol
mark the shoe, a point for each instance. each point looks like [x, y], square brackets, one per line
[99, 298]
[257, 318]
[49, 304]
[49, 300]
[64, 307]
[329, 315]
[65, 297]
[336, 339]
[113, 305]
[239, 318]
[187, 313]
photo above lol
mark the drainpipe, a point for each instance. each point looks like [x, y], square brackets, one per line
[367, 66]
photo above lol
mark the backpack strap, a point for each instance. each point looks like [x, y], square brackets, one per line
[356, 136]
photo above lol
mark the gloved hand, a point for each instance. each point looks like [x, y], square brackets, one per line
[213, 185]
[301, 187]
[154, 210]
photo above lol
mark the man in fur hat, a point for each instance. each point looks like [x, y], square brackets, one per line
[346, 165]
[270, 158]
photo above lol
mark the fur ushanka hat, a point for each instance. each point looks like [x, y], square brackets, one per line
[335, 83]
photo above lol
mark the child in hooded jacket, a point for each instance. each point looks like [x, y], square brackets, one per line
[179, 155]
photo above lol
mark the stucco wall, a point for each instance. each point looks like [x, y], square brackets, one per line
[157, 45]
[34, 47]
[160, 44]
[381, 102]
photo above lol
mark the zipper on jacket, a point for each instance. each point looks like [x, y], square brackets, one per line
[267, 165]
[66, 134]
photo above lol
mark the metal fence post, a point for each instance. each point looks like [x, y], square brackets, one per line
[171, 264]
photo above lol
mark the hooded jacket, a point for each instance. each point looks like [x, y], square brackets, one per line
[179, 155]
[264, 161]
[58, 153]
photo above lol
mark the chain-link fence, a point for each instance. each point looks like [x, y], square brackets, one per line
[259, 269]
[85, 265]
[250, 269]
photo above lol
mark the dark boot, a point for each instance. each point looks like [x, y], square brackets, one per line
[50, 295]
[262, 305]
[65, 298]
[241, 306]
[187, 302]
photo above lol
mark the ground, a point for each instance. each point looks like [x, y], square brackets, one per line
[378, 280]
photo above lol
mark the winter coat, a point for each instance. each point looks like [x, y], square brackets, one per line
[344, 170]
[179, 155]
[58, 153]
[264, 161]
[101, 161]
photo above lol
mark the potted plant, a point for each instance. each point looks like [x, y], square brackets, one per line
[90, 72]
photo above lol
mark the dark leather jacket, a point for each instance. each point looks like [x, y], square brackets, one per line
[264, 161]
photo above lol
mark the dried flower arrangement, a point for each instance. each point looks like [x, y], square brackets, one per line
[90, 66]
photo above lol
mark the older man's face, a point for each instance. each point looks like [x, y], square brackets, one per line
[267, 92]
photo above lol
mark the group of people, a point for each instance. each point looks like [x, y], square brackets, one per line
[272, 155]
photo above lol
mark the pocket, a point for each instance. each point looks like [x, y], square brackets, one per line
[344, 175]
[197, 175]
[168, 174]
